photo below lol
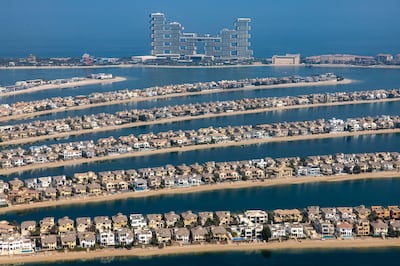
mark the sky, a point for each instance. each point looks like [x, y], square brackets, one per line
[121, 27]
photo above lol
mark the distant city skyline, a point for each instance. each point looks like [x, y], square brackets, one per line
[70, 28]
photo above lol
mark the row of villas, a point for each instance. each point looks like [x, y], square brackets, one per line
[94, 98]
[91, 184]
[95, 121]
[28, 84]
[110, 146]
[380, 58]
[193, 228]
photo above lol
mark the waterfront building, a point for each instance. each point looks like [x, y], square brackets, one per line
[3, 200]
[143, 235]
[68, 240]
[28, 227]
[83, 224]
[203, 217]
[362, 227]
[87, 239]
[106, 238]
[137, 220]
[15, 246]
[294, 230]
[169, 40]
[181, 235]
[384, 58]
[277, 231]
[189, 218]
[124, 236]
[344, 230]
[394, 212]
[199, 234]
[288, 59]
[102, 223]
[49, 242]
[379, 228]
[257, 216]
[293, 215]
[65, 225]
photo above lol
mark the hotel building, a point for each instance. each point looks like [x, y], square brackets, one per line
[168, 39]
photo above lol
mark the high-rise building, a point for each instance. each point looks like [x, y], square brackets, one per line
[168, 38]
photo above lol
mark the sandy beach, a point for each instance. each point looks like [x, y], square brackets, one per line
[202, 188]
[85, 82]
[52, 256]
[186, 118]
[140, 99]
[8, 171]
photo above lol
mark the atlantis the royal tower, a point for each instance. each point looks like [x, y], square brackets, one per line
[168, 38]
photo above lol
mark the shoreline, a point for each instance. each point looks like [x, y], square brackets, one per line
[176, 95]
[82, 83]
[288, 181]
[8, 171]
[255, 64]
[187, 118]
[49, 256]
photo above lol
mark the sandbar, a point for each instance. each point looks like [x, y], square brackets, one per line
[7, 171]
[159, 97]
[294, 180]
[53, 256]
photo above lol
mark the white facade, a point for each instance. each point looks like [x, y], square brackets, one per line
[344, 230]
[15, 246]
[124, 236]
[257, 216]
[137, 220]
[295, 230]
[143, 236]
[106, 238]
[86, 240]
[277, 231]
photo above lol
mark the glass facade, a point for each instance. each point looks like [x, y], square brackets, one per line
[169, 38]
